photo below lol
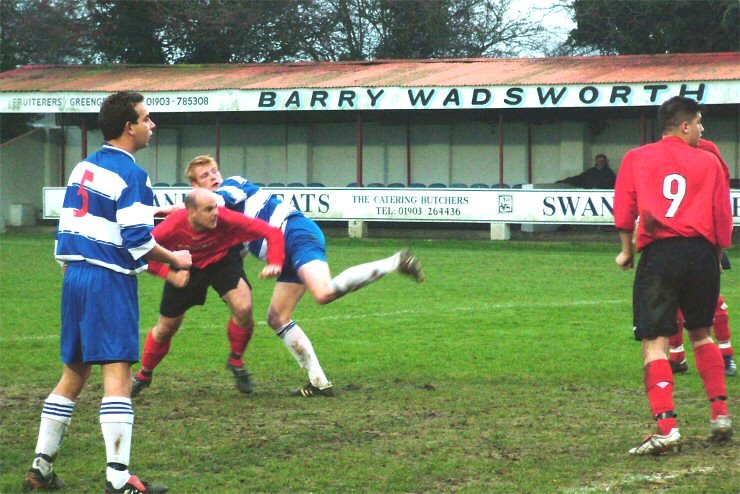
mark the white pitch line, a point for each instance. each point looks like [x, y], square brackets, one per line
[355, 315]
[637, 480]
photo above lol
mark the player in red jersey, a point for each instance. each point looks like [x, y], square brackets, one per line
[681, 195]
[214, 235]
[721, 324]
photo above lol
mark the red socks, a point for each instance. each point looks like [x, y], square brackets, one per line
[154, 352]
[711, 368]
[239, 338]
[659, 387]
[722, 327]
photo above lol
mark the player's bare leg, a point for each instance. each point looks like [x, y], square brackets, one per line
[285, 299]
[240, 330]
[55, 417]
[711, 368]
[156, 348]
[659, 389]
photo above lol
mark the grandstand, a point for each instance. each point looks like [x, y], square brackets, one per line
[504, 121]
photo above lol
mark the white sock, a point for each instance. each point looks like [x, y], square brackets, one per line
[356, 277]
[300, 347]
[55, 417]
[117, 424]
[117, 478]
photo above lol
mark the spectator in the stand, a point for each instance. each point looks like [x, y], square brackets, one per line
[600, 176]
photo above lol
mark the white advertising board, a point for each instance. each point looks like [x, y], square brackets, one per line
[557, 206]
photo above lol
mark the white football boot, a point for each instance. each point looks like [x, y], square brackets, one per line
[721, 428]
[656, 444]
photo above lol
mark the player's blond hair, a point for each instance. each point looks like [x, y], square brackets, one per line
[201, 160]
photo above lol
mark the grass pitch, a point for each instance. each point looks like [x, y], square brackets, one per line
[512, 370]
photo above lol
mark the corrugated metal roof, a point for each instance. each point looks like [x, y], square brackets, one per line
[398, 73]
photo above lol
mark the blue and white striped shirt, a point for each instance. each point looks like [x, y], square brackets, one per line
[242, 195]
[107, 215]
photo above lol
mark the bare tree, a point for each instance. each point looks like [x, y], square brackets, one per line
[412, 29]
[234, 31]
[238, 31]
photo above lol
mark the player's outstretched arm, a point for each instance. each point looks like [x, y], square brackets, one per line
[249, 229]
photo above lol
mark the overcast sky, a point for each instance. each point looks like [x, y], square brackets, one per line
[557, 22]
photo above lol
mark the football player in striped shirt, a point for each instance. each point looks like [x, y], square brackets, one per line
[305, 268]
[103, 241]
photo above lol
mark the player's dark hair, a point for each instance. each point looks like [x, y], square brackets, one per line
[116, 110]
[677, 110]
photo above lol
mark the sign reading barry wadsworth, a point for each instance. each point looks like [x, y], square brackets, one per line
[387, 98]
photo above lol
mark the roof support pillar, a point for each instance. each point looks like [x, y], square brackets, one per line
[500, 148]
[408, 149]
[83, 139]
[218, 139]
[62, 152]
[530, 168]
[359, 149]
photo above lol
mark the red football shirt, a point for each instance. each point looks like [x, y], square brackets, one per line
[676, 190]
[209, 246]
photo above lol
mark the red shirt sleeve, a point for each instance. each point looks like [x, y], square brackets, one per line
[724, 231]
[246, 229]
[723, 214]
[162, 233]
[158, 269]
[625, 196]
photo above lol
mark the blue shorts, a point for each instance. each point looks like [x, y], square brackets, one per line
[304, 242]
[100, 315]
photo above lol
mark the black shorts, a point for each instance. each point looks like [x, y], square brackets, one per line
[223, 276]
[672, 273]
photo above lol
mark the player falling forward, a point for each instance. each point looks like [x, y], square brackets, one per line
[214, 236]
[305, 268]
